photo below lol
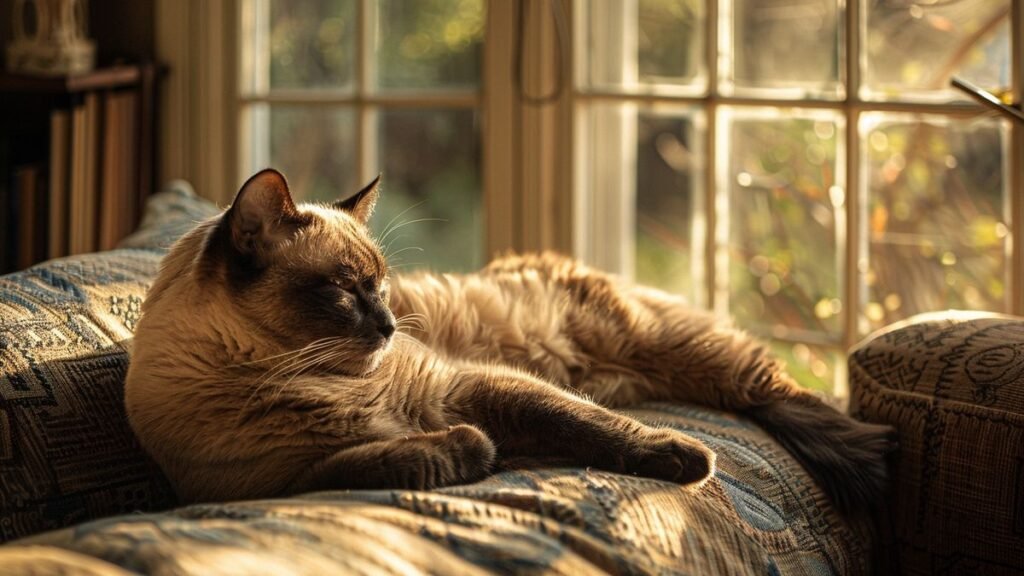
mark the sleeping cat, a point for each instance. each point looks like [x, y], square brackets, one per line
[268, 362]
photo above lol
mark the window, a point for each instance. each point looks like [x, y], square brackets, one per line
[333, 92]
[801, 165]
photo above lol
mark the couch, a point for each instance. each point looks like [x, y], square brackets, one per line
[79, 496]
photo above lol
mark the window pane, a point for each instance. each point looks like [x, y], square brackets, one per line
[817, 367]
[429, 43]
[937, 222]
[913, 48]
[787, 48]
[313, 146]
[643, 45]
[669, 198]
[298, 44]
[639, 198]
[431, 165]
[785, 219]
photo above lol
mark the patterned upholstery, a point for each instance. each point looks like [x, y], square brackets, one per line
[67, 456]
[67, 453]
[760, 515]
[953, 385]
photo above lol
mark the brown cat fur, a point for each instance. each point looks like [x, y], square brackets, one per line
[267, 363]
[264, 365]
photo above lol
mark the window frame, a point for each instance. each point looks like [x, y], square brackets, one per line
[534, 189]
[605, 248]
[365, 102]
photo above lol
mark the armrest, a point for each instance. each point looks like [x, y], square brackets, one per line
[953, 386]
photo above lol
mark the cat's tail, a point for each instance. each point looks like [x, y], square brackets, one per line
[846, 456]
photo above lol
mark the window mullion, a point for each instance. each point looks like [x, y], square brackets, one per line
[710, 271]
[1017, 159]
[366, 136]
[854, 200]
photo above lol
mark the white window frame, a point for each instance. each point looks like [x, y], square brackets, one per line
[526, 196]
[536, 194]
[605, 215]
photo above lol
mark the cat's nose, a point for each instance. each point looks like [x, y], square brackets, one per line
[386, 329]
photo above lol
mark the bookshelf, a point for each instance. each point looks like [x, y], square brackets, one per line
[76, 161]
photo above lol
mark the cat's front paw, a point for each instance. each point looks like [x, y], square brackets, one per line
[472, 453]
[669, 455]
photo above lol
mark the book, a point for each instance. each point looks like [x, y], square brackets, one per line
[60, 169]
[91, 175]
[76, 197]
[6, 210]
[130, 160]
[118, 197]
[110, 192]
[29, 188]
[85, 173]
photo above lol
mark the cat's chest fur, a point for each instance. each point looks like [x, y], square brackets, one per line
[404, 395]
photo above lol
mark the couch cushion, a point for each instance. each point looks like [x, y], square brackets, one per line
[760, 514]
[953, 386]
[67, 453]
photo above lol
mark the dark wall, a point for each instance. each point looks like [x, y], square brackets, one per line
[121, 29]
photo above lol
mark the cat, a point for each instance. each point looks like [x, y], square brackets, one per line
[268, 362]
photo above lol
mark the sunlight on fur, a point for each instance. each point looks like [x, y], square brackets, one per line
[278, 354]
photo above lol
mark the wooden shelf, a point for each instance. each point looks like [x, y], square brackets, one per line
[105, 78]
[76, 160]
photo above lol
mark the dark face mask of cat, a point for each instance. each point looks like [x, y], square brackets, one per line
[310, 276]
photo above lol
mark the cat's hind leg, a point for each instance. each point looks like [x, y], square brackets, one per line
[668, 351]
[527, 417]
[459, 455]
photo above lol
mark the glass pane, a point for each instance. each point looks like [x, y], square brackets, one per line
[431, 191]
[314, 147]
[669, 198]
[785, 218]
[817, 367]
[298, 44]
[913, 48]
[643, 46]
[787, 48]
[429, 43]
[937, 225]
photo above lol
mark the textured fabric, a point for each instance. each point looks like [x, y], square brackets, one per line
[760, 515]
[954, 389]
[67, 453]
[67, 456]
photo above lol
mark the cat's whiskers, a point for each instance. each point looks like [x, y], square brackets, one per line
[387, 247]
[399, 251]
[408, 222]
[292, 359]
[296, 356]
[318, 360]
[412, 320]
[283, 354]
[388, 229]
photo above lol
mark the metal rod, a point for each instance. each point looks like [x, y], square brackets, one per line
[468, 100]
[947, 109]
[986, 98]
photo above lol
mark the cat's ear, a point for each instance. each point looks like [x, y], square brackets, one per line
[263, 213]
[360, 205]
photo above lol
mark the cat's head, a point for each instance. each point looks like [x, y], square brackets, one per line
[307, 276]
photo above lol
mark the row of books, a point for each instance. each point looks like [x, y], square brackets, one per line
[85, 199]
